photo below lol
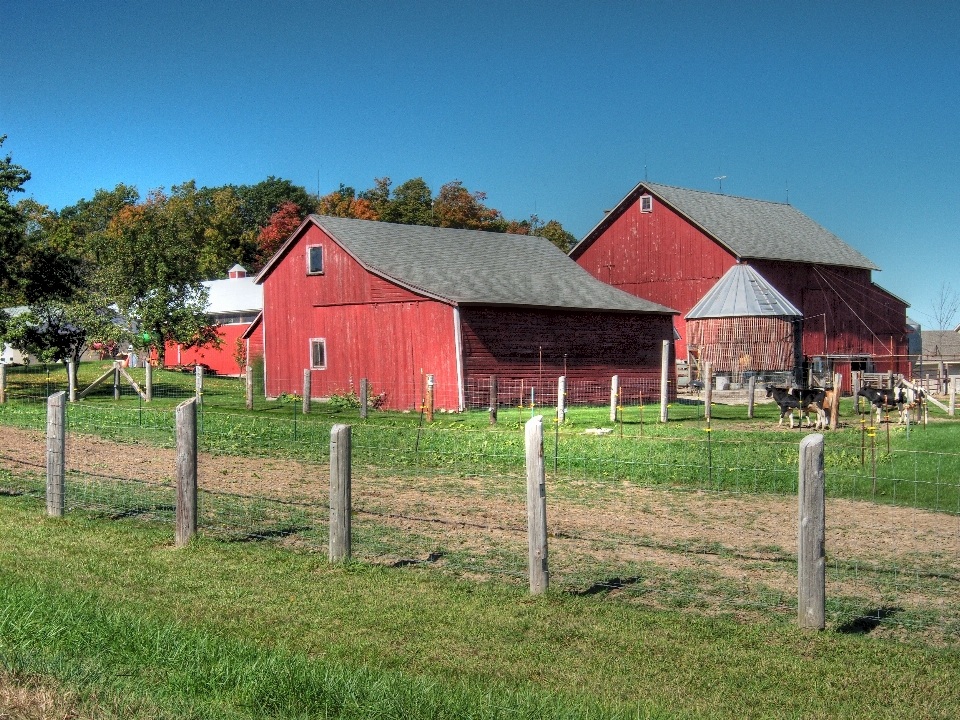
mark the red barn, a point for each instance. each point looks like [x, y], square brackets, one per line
[233, 304]
[351, 299]
[671, 245]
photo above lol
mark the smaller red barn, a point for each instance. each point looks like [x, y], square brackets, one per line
[233, 304]
[351, 299]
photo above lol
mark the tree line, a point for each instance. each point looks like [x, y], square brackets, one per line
[123, 269]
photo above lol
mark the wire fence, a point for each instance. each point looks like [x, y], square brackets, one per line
[704, 519]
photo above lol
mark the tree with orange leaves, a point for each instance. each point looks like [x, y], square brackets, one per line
[282, 223]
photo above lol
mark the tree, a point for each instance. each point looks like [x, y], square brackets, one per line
[554, 232]
[457, 207]
[346, 203]
[412, 204]
[944, 306]
[259, 202]
[282, 223]
[12, 222]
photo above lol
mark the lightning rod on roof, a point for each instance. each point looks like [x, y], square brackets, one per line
[720, 178]
[786, 187]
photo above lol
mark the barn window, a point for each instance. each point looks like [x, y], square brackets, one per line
[318, 354]
[315, 260]
[646, 203]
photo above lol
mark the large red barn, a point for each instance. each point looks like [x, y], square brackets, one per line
[351, 299]
[671, 245]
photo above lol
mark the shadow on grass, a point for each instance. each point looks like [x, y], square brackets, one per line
[407, 562]
[868, 621]
[603, 586]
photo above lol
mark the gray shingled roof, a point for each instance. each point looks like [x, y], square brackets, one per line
[743, 292]
[754, 228]
[478, 268]
[945, 343]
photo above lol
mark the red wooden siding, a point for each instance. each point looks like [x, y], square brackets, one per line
[660, 256]
[220, 360]
[372, 329]
[511, 342]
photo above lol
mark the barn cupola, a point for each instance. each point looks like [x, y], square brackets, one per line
[237, 271]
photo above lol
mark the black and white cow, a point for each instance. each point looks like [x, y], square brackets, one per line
[883, 399]
[811, 400]
[784, 400]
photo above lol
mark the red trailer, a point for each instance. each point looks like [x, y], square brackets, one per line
[350, 299]
[671, 245]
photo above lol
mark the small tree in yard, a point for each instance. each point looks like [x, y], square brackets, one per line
[173, 315]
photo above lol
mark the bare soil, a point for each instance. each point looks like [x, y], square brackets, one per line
[872, 550]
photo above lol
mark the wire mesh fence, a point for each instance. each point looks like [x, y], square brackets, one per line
[700, 520]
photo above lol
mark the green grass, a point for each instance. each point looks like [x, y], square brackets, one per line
[108, 608]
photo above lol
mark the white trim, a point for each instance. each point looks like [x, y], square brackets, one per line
[323, 258]
[458, 342]
[649, 198]
[263, 335]
[311, 342]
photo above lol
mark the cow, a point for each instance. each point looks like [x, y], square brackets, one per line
[885, 399]
[784, 400]
[811, 399]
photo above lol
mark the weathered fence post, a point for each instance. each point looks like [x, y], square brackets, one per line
[561, 398]
[429, 398]
[340, 458]
[307, 390]
[248, 383]
[494, 399]
[56, 453]
[186, 472]
[811, 557]
[664, 380]
[3, 383]
[116, 379]
[364, 397]
[751, 392]
[72, 380]
[148, 380]
[536, 506]
[198, 382]
[835, 405]
[614, 394]
[954, 379]
[890, 379]
[707, 390]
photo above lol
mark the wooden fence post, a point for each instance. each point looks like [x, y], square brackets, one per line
[536, 506]
[364, 397]
[3, 383]
[429, 398]
[707, 390]
[664, 380]
[186, 472]
[198, 382]
[890, 379]
[248, 382]
[116, 379]
[835, 405]
[56, 453]
[494, 399]
[811, 558]
[561, 398]
[954, 379]
[307, 390]
[614, 393]
[72, 380]
[340, 458]
[855, 386]
[751, 391]
[148, 381]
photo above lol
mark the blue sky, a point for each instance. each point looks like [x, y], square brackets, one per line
[553, 108]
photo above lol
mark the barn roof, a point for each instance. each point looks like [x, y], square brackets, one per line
[743, 292]
[233, 295]
[472, 267]
[943, 343]
[748, 228]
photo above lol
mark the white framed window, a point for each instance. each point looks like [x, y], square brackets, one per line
[646, 203]
[318, 353]
[314, 259]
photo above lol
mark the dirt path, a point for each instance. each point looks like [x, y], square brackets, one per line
[736, 536]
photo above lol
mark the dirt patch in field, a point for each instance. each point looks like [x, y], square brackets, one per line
[30, 699]
[594, 525]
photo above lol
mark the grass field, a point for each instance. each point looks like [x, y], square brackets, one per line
[108, 614]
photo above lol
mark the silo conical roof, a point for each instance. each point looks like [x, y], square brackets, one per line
[743, 292]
